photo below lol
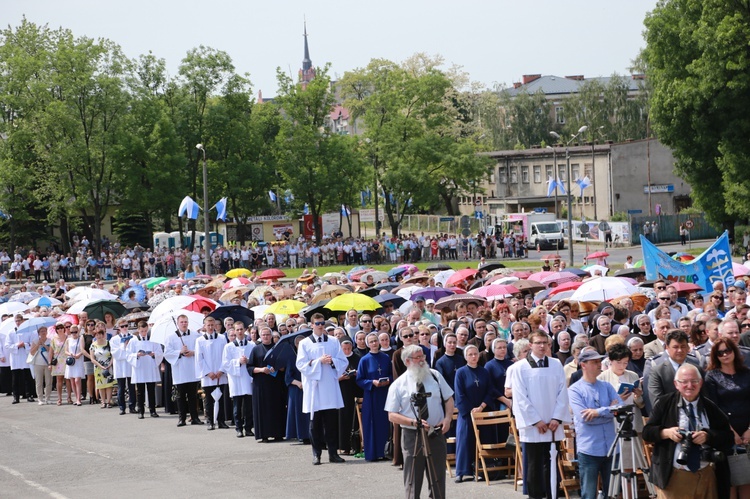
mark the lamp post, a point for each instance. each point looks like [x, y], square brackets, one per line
[570, 188]
[206, 227]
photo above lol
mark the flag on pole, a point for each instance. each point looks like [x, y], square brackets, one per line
[288, 197]
[583, 183]
[272, 195]
[221, 209]
[561, 186]
[189, 207]
[306, 209]
[345, 211]
[362, 197]
[551, 184]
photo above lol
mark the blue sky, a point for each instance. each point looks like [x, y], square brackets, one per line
[494, 41]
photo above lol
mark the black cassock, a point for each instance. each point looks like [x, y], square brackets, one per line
[170, 406]
[269, 398]
[347, 419]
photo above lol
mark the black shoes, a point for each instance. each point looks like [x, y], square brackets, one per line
[316, 460]
[210, 426]
[133, 411]
[335, 458]
[154, 415]
[122, 413]
[196, 422]
[181, 423]
[141, 416]
[223, 425]
[459, 479]
[15, 401]
[250, 433]
[240, 434]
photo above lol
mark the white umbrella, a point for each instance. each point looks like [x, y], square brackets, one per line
[443, 276]
[603, 288]
[172, 304]
[78, 306]
[13, 307]
[78, 294]
[24, 297]
[46, 301]
[377, 276]
[408, 291]
[167, 324]
[591, 269]
[406, 306]
[260, 310]
[506, 280]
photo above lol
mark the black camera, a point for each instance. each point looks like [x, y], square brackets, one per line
[419, 399]
[707, 453]
[53, 362]
[622, 412]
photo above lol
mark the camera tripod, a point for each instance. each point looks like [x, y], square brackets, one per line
[422, 448]
[621, 479]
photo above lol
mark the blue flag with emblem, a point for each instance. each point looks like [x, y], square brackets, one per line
[713, 265]
[221, 209]
[189, 207]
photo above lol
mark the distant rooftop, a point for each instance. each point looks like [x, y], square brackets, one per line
[559, 85]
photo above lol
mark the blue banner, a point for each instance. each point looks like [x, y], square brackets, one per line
[714, 264]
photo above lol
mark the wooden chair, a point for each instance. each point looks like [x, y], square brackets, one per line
[567, 464]
[487, 450]
[450, 459]
[358, 409]
[518, 468]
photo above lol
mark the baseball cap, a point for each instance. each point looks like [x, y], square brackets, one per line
[418, 298]
[430, 302]
[587, 355]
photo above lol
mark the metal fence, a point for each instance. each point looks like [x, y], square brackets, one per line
[668, 228]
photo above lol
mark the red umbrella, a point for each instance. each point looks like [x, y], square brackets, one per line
[495, 290]
[567, 286]
[175, 282]
[272, 274]
[597, 254]
[547, 258]
[200, 303]
[685, 287]
[457, 291]
[236, 282]
[73, 319]
[459, 276]
[521, 274]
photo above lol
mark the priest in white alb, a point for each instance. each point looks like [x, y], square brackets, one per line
[179, 350]
[234, 363]
[144, 357]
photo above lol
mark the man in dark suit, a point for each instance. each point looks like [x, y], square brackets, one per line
[686, 410]
[661, 376]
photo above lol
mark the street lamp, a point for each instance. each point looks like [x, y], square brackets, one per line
[570, 188]
[206, 227]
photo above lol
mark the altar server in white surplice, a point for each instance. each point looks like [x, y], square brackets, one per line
[236, 355]
[144, 357]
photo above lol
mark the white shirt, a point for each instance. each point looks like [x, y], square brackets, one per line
[18, 354]
[209, 350]
[399, 396]
[183, 368]
[320, 382]
[145, 368]
[121, 366]
[240, 381]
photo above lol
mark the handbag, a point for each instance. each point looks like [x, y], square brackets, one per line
[70, 361]
[739, 468]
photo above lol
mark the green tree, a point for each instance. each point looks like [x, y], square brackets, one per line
[321, 169]
[697, 64]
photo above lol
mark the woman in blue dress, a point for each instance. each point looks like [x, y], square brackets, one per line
[497, 368]
[374, 375]
[297, 422]
[474, 393]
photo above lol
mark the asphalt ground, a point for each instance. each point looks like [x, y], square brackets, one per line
[71, 452]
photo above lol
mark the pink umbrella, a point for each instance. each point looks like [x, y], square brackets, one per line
[559, 278]
[739, 270]
[567, 286]
[493, 291]
[521, 274]
[538, 276]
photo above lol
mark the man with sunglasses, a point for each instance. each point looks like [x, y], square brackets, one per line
[122, 369]
[321, 363]
[659, 287]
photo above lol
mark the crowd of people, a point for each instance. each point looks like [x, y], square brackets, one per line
[551, 362]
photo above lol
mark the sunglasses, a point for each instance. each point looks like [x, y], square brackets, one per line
[319, 323]
[664, 298]
[745, 325]
[408, 336]
[723, 353]
[91, 323]
[367, 320]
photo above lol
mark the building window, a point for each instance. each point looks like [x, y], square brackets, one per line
[574, 172]
[548, 171]
[538, 174]
[559, 115]
[513, 175]
[525, 174]
[587, 170]
[561, 172]
[502, 175]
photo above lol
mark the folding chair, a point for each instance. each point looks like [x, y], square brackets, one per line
[567, 464]
[491, 450]
[518, 469]
[450, 459]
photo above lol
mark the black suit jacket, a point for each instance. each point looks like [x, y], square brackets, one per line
[660, 379]
[665, 415]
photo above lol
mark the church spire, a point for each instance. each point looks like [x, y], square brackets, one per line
[306, 62]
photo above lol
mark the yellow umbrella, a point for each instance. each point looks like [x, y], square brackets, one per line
[286, 307]
[238, 273]
[356, 301]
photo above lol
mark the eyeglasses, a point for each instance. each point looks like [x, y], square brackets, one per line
[723, 353]
[318, 323]
[66, 327]
[691, 382]
[745, 325]
[91, 324]
[407, 336]
[365, 320]
[664, 298]
[123, 327]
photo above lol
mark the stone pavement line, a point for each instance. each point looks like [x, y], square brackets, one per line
[31, 483]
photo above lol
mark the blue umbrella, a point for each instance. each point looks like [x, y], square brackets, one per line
[396, 271]
[140, 294]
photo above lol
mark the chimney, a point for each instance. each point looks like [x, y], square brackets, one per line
[529, 78]
[575, 77]
[639, 76]
[516, 84]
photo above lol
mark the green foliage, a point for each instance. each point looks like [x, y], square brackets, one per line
[131, 228]
[697, 63]
[619, 216]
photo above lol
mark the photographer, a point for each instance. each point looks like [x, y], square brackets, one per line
[434, 412]
[698, 426]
